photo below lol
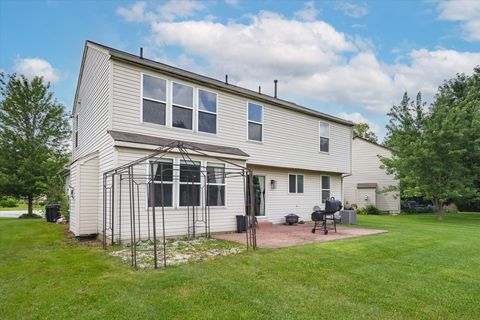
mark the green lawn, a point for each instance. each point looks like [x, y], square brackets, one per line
[421, 269]
[22, 207]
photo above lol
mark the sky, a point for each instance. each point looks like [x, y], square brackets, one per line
[352, 59]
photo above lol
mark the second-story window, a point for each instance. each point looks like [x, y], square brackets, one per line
[324, 136]
[76, 131]
[182, 106]
[207, 111]
[255, 122]
[154, 100]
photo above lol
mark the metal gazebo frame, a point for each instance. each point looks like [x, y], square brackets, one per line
[198, 210]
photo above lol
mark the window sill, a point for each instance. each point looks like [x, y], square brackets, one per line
[255, 141]
[324, 152]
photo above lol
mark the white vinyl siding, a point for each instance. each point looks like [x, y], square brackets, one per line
[222, 217]
[285, 132]
[366, 169]
[279, 202]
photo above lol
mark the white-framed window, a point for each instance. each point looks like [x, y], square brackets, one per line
[76, 131]
[215, 184]
[295, 183]
[255, 122]
[189, 183]
[154, 99]
[207, 111]
[182, 106]
[325, 188]
[162, 172]
[324, 136]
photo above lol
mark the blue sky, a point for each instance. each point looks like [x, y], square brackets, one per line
[352, 59]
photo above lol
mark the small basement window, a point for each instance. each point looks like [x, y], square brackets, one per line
[295, 183]
[255, 122]
[182, 106]
[207, 111]
[154, 97]
[324, 136]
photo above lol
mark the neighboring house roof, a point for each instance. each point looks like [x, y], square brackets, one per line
[194, 77]
[161, 142]
[374, 143]
[366, 185]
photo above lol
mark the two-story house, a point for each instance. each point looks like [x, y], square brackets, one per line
[126, 105]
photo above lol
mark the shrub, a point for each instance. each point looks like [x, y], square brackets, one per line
[8, 203]
[30, 216]
[370, 209]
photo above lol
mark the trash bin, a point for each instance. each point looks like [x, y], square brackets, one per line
[241, 223]
[52, 212]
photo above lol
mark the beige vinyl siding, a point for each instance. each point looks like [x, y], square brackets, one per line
[279, 202]
[291, 139]
[222, 218]
[366, 169]
[73, 222]
[94, 108]
[88, 196]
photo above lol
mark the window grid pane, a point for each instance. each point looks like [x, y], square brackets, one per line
[154, 88]
[182, 117]
[207, 101]
[254, 131]
[325, 195]
[182, 95]
[299, 183]
[324, 144]
[255, 112]
[154, 112]
[325, 182]
[207, 122]
[292, 183]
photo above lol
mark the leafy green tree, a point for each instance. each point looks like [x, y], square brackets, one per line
[436, 154]
[363, 130]
[34, 131]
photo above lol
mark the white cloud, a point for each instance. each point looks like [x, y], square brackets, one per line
[308, 13]
[174, 9]
[351, 9]
[466, 12]
[233, 3]
[33, 67]
[357, 117]
[169, 11]
[136, 13]
[311, 60]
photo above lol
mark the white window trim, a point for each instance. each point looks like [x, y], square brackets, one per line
[147, 193]
[154, 100]
[209, 112]
[182, 106]
[217, 184]
[296, 183]
[320, 136]
[322, 189]
[252, 121]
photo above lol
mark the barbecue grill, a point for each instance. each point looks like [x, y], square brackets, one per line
[320, 217]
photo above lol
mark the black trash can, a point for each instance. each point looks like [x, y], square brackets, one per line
[241, 223]
[52, 212]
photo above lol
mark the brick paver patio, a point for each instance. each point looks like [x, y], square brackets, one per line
[278, 236]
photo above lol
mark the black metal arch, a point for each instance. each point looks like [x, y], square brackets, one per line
[198, 215]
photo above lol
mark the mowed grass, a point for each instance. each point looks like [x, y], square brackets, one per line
[421, 269]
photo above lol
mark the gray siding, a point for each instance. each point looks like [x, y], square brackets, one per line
[291, 139]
